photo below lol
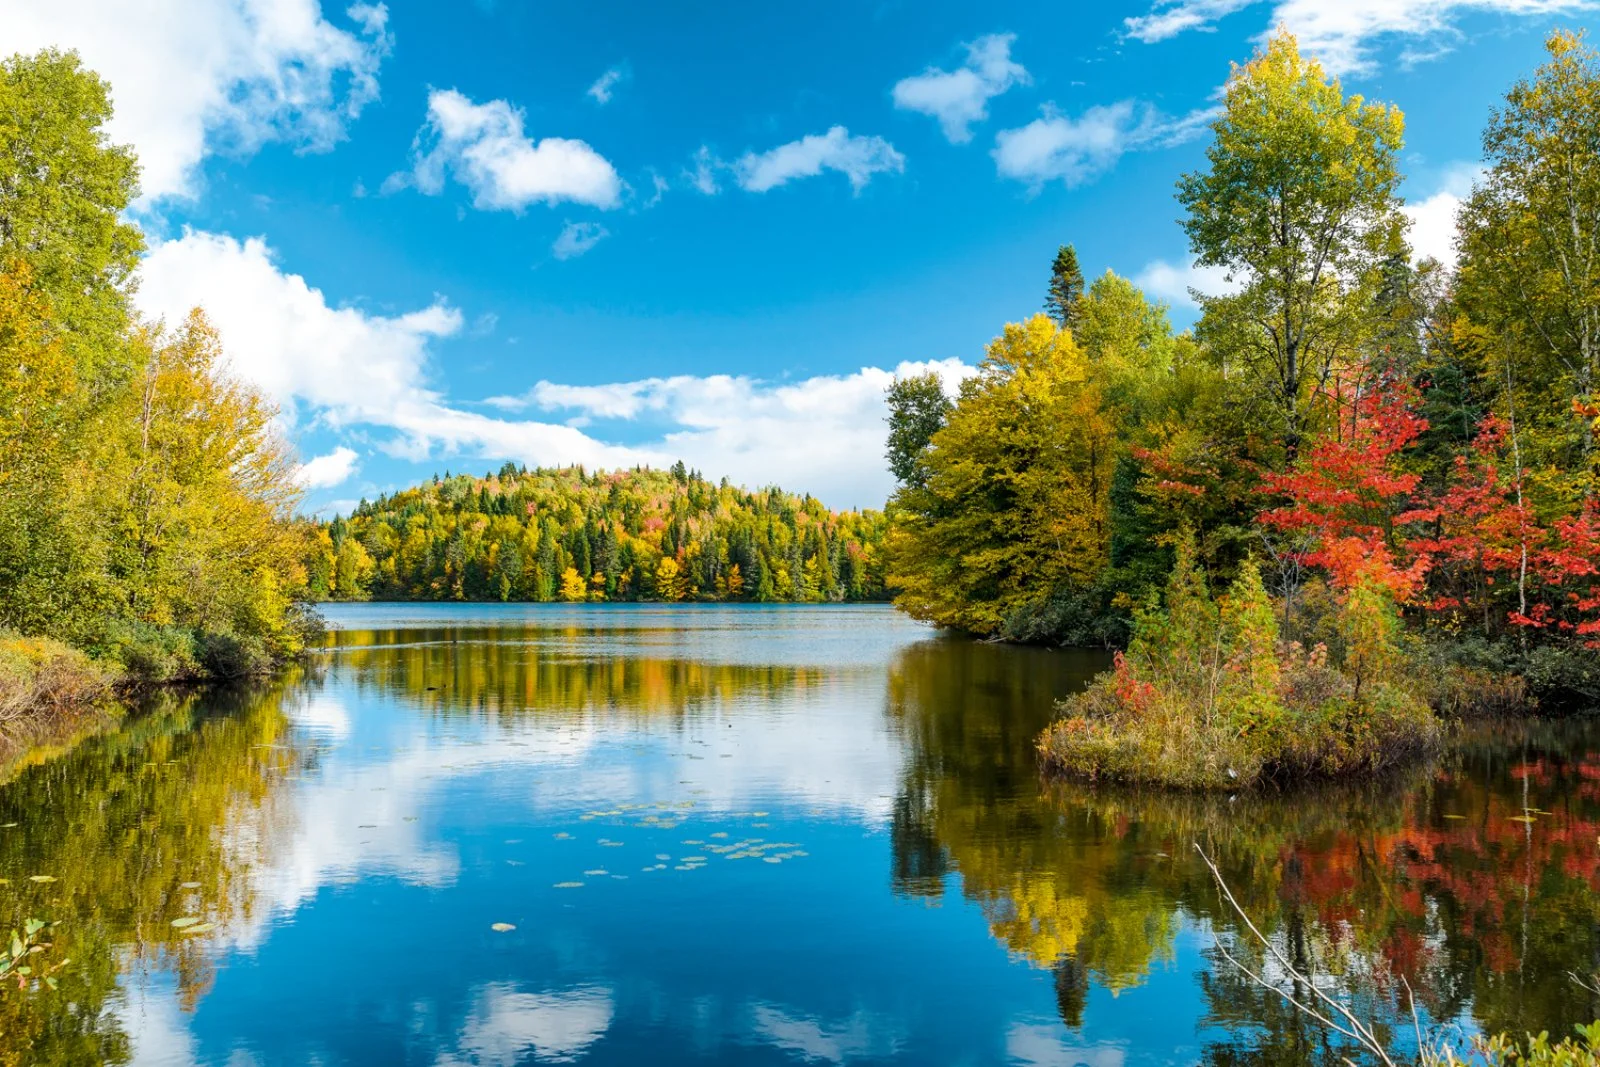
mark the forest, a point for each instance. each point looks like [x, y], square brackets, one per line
[1359, 495]
[147, 497]
[565, 534]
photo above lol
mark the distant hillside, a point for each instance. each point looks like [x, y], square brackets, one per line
[565, 534]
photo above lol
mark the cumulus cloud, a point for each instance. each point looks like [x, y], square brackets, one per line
[1343, 35]
[325, 472]
[1173, 282]
[343, 366]
[959, 98]
[1432, 229]
[577, 238]
[194, 77]
[1057, 147]
[824, 434]
[605, 86]
[350, 370]
[858, 158]
[483, 147]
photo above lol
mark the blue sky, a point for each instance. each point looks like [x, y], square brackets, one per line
[442, 236]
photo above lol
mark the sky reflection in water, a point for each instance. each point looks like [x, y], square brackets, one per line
[744, 836]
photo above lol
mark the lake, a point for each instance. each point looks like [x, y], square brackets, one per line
[499, 835]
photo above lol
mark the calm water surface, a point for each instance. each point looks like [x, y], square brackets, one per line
[744, 836]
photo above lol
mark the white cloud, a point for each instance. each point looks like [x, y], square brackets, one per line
[1075, 150]
[857, 158]
[190, 78]
[959, 98]
[605, 86]
[325, 472]
[1432, 220]
[341, 365]
[577, 238]
[345, 368]
[484, 148]
[823, 435]
[1171, 17]
[1172, 282]
[703, 176]
[1342, 35]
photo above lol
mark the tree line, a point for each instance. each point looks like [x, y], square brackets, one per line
[572, 535]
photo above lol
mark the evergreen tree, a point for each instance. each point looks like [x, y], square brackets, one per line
[1066, 288]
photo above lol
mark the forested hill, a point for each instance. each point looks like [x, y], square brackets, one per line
[567, 534]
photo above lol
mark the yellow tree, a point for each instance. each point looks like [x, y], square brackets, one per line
[573, 587]
[202, 507]
[47, 564]
[1014, 502]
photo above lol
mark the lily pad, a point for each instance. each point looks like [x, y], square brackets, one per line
[189, 885]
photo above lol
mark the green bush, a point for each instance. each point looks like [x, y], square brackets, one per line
[1208, 696]
[148, 653]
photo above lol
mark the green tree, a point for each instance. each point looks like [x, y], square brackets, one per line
[1530, 267]
[63, 190]
[1298, 205]
[918, 407]
[1066, 288]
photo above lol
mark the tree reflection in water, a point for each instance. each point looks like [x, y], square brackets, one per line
[1476, 881]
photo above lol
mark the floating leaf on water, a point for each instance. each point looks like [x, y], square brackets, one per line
[200, 928]
[187, 920]
[7, 825]
[1523, 818]
[41, 877]
[189, 885]
[502, 928]
[568, 885]
[1455, 816]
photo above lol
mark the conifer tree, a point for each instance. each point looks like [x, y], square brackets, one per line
[1066, 288]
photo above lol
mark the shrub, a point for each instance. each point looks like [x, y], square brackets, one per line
[148, 653]
[1209, 696]
[230, 656]
[37, 673]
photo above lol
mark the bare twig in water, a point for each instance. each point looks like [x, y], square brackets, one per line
[1351, 1027]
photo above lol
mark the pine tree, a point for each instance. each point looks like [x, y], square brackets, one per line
[1066, 288]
